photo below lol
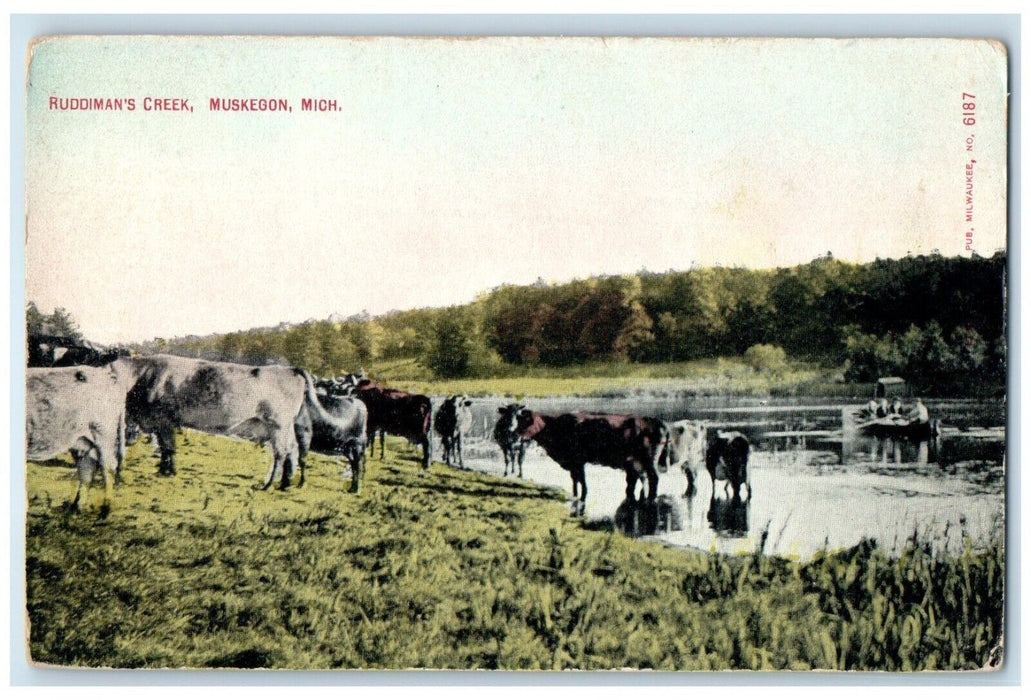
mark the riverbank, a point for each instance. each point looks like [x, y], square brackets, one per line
[709, 377]
[454, 569]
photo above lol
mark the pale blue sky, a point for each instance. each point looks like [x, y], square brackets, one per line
[457, 165]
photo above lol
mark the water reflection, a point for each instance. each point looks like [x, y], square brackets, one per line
[728, 517]
[812, 483]
[889, 450]
[646, 518]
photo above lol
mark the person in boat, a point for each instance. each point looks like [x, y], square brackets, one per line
[896, 407]
[882, 408]
[870, 410]
[918, 414]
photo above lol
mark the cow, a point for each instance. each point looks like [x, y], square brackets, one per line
[59, 351]
[259, 403]
[685, 449]
[79, 410]
[727, 458]
[513, 447]
[333, 424]
[395, 412]
[630, 443]
[453, 419]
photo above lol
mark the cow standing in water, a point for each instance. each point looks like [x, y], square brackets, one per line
[685, 449]
[395, 412]
[453, 419]
[727, 458]
[629, 443]
[513, 447]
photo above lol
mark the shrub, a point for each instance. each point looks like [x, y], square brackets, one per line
[766, 358]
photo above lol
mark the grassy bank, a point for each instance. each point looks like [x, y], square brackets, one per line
[455, 569]
[710, 377]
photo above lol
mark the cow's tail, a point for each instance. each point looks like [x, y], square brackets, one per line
[311, 399]
[662, 457]
[427, 408]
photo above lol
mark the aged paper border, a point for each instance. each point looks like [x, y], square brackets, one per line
[1005, 28]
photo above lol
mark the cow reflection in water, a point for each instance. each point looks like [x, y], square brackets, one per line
[641, 518]
[729, 516]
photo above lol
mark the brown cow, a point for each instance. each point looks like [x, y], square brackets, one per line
[630, 443]
[395, 412]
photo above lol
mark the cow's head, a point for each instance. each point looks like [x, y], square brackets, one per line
[509, 415]
[528, 423]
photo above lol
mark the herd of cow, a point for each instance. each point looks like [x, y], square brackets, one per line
[84, 410]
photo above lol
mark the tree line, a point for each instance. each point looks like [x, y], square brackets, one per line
[938, 321]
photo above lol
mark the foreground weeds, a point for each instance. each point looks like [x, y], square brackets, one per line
[456, 570]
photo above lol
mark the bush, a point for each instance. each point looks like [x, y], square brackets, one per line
[766, 358]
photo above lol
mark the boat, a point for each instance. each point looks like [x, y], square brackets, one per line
[900, 428]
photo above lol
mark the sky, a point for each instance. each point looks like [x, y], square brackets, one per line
[452, 166]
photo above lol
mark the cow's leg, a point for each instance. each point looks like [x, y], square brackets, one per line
[653, 481]
[521, 455]
[166, 446]
[120, 449]
[458, 445]
[690, 490]
[356, 456]
[631, 483]
[578, 474]
[578, 477]
[287, 460]
[382, 443]
[300, 467]
[109, 468]
[424, 441]
[86, 466]
[271, 473]
[571, 468]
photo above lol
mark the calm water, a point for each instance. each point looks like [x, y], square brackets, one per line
[814, 482]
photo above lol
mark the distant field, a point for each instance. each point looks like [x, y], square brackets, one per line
[454, 569]
[713, 377]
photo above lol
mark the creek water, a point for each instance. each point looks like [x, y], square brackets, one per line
[813, 481]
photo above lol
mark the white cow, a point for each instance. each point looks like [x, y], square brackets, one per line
[685, 449]
[80, 410]
[259, 403]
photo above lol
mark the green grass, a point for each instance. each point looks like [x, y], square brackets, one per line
[710, 377]
[454, 569]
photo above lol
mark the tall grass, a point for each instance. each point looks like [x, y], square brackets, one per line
[458, 570]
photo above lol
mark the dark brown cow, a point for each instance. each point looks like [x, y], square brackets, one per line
[395, 412]
[453, 420]
[513, 447]
[727, 458]
[630, 443]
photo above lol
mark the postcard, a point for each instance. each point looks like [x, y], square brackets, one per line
[518, 353]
